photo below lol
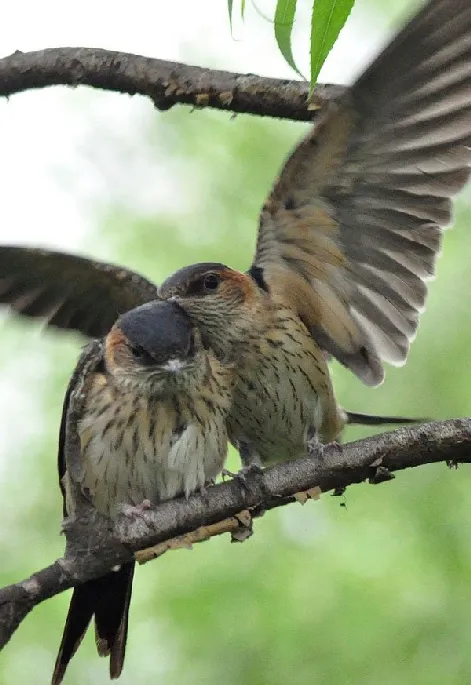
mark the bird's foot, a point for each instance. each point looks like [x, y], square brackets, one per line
[136, 509]
[244, 476]
[133, 521]
[315, 449]
[135, 512]
[244, 472]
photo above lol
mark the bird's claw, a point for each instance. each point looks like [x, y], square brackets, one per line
[133, 510]
[315, 449]
[244, 472]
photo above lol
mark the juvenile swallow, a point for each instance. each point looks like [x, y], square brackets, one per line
[153, 427]
[347, 241]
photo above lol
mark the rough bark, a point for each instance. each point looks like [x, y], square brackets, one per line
[165, 83]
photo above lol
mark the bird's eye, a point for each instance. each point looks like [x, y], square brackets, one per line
[138, 353]
[203, 284]
[211, 282]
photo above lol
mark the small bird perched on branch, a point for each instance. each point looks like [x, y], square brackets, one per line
[347, 241]
[153, 427]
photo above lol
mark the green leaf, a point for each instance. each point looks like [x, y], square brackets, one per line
[284, 22]
[328, 18]
[230, 10]
[230, 7]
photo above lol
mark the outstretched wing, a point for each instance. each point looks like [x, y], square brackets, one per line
[69, 291]
[351, 231]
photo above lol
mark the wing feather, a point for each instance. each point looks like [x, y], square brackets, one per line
[353, 225]
[68, 291]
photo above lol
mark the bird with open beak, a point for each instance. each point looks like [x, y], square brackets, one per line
[153, 427]
[347, 241]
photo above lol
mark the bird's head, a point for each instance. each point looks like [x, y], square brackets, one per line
[226, 305]
[155, 347]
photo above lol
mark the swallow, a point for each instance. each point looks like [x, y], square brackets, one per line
[153, 427]
[347, 241]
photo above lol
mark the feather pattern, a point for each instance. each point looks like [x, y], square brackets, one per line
[358, 211]
[68, 291]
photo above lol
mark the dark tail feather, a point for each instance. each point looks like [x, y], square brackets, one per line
[79, 616]
[111, 618]
[108, 599]
[353, 418]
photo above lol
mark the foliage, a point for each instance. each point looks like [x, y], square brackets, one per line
[327, 20]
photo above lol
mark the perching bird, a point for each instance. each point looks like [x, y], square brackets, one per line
[153, 427]
[347, 241]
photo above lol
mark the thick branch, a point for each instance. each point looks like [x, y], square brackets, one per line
[92, 550]
[165, 83]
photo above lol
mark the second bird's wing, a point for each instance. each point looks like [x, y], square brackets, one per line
[68, 291]
[351, 231]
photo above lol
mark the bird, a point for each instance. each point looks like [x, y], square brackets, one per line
[153, 427]
[348, 239]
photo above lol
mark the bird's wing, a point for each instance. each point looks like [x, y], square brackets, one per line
[68, 291]
[91, 361]
[106, 598]
[351, 231]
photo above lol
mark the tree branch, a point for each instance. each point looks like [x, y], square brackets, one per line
[93, 550]
[165, 83]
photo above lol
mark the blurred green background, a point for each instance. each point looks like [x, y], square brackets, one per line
[376, 591]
